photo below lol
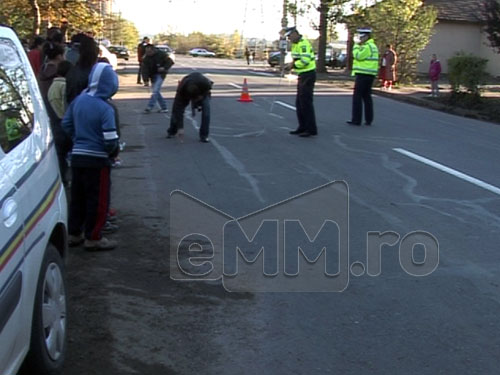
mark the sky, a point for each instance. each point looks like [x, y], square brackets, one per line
[251, 18]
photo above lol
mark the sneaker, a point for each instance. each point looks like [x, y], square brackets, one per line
[102, 244]
[75, 240]
[146, 84]
[109, 228]
[170, 135]
[165, 110]
[204, 140]
[111, 219]
[147, 110]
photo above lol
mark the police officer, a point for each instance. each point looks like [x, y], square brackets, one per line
[365, 69]
[304, 65]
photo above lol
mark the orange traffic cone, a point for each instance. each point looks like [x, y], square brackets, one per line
[245, 96]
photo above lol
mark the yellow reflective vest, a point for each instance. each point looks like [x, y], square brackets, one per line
[365, 58]
[303, 56]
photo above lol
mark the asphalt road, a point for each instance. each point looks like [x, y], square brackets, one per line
[415, 174]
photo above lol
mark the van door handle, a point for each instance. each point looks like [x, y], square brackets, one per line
[9, 212]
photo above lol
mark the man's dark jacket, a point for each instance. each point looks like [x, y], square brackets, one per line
[151, 64]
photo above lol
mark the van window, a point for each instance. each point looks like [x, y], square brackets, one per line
[16, 107]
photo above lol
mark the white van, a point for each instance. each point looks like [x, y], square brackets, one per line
[33, 224]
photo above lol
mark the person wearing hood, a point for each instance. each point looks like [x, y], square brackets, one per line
[90, 122]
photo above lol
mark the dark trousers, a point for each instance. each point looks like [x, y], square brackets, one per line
[304, 102]
[88, 210]
[177, 119]
[362, 96]
[140, 74]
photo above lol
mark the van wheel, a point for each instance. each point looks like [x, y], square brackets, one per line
[48, 329]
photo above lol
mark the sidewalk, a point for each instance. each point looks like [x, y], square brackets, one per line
[488, 110]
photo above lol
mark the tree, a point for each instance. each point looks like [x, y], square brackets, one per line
[120, 31]
[33, 17]
[406, 24]
[331, 12]
[492, 28]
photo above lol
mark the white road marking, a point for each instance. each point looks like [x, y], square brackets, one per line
[285, 105]
[264, 74]
[235, 85]
[451, 171]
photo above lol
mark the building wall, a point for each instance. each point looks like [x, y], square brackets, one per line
[452, 37]
[448, 39]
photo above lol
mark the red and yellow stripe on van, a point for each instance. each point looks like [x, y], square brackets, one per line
[38, 213]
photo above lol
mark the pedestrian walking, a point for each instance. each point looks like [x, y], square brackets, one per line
[141, 52]
[365, 69]
[388, 67]
[304, 65]
[156, 64]
[247, 55]
[194, 88]
[90, 122]
[434, 73]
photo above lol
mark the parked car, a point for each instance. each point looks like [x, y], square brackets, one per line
[104, 52]
[169, 51]
[121, 52]
[274, 58]
[33, 227]
[338, 61]
[201, 52]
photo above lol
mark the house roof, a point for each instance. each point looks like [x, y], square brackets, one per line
[458, 10]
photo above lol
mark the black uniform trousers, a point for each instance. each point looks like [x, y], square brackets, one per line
[88, 209]
[304, 102]
[362, 96]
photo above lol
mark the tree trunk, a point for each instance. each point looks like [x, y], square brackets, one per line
[36, 17]
[323, 30]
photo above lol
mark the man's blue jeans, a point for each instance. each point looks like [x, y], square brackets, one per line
[156, 95]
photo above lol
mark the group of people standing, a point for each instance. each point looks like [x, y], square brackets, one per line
[76, 86]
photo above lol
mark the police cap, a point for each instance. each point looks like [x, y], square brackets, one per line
[290, 30]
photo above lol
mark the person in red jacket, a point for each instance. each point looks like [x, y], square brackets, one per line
[35, 54]
[434, 72]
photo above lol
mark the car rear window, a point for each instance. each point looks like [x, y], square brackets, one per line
[16, 107]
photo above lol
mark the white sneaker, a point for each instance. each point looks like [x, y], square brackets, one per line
[163, 110]
[98, 245]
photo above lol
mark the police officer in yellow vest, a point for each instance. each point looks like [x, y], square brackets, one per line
[365, 69]
[304, 65]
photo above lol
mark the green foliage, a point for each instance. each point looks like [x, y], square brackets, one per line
[120, 32]
[466, 70]
[492, 28]
[406, 24]
[222, 45]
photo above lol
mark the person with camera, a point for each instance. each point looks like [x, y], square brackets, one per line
[365, 69]
[304, 65]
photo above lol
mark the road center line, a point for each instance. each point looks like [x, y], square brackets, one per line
[285, 105]
[448, 170]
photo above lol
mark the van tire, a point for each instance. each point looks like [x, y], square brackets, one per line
[51, 292]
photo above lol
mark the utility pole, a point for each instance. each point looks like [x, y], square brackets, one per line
[283, 44]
